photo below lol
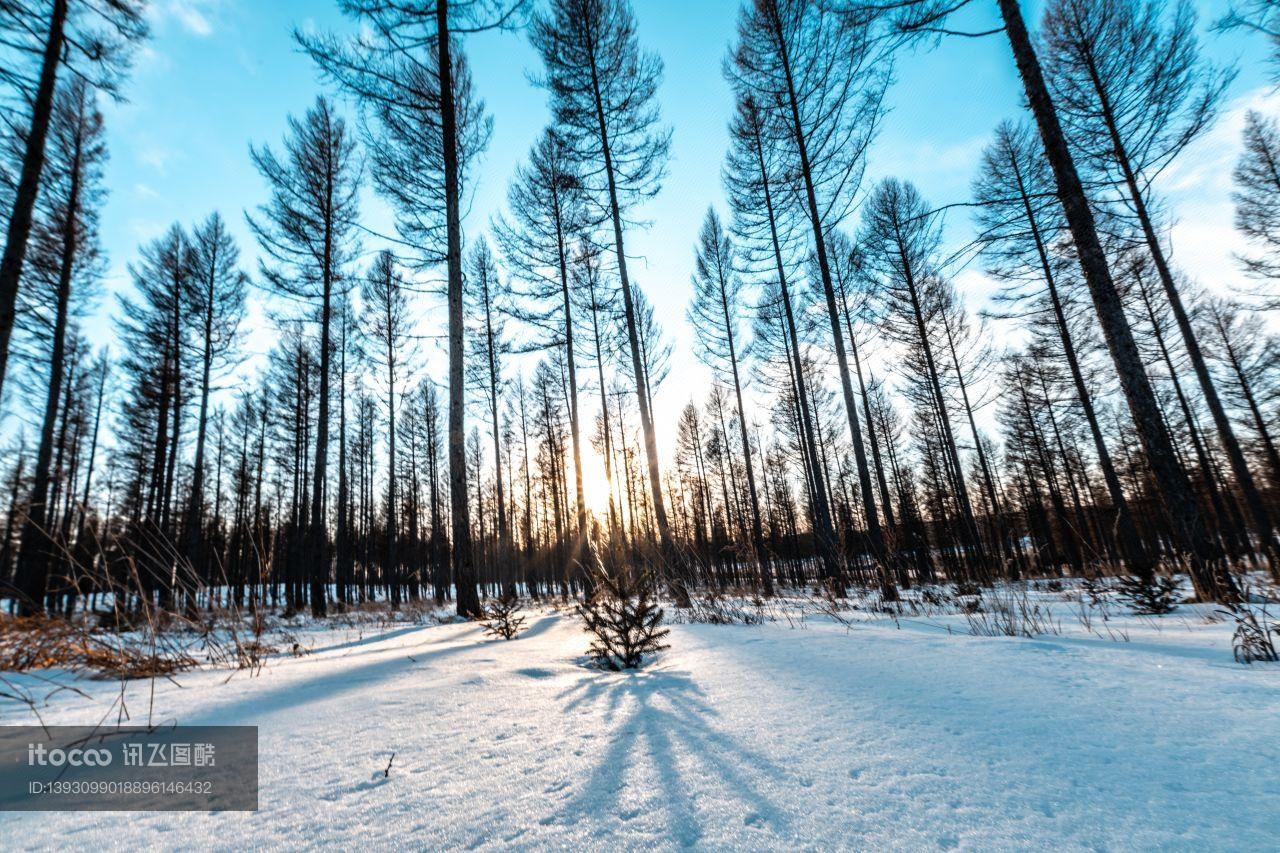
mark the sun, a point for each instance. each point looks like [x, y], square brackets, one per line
[595, 485]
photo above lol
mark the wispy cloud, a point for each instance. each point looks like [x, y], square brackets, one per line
[155, 156]
[1197, 189]
[193, 16]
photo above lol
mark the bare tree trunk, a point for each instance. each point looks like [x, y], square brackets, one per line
[318, 552]
[670, 553]
[1211, 582]
[874, 533]
[757, 529]
[574, 421]
[468, 597]
[1226, 434]
[1137, 557]
[824, 535]
[193, 532]
[31, 580]
[1228, 531]
[24, 202]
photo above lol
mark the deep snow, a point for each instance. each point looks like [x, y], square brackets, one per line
[808, 736]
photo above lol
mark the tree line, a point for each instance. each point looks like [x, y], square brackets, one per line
[846, 437]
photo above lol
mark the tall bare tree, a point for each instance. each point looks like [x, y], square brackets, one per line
[307, 230]
[753, 177]
[386, 321]
[91, 40]
[603, 90]
[65, 255]
[218, 302]
[1134, 90]
[548, 214]
[715, 313]
[426, 127]
[1021, 219]
[825, 80]
[485, 296]
[1187, 522]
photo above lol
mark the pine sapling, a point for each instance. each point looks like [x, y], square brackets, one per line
[502, 618]
[1149, 598]
[623, 616]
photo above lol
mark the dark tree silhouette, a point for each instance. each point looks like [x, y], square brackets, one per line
[484, 295]
[548, 213]
[751, 174]
[1020, 218]
[218, 304]
[386, 320]
[1187, 523]
[64, 256]
[89, 39]
[426, 127]
[307, 230]
[716, 313]
[1135, 92]
[826, 79]
[603, 90]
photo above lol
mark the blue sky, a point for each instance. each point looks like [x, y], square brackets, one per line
[218, 74]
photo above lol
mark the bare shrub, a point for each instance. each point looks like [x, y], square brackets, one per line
[37, 642]
[1009, 612]
[128, 662]
[43, 642]
[1252, 640]
[713, 608]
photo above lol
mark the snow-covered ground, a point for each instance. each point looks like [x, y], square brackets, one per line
[808, 735]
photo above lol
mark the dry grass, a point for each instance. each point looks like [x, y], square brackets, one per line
[43, 642]
[38, 642]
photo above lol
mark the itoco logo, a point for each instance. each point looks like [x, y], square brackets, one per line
[37, 754]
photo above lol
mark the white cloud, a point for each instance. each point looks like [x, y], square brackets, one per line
[191, 15]
[155, 156]
[1197, 188]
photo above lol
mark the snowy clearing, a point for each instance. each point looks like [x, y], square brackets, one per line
[809, 736]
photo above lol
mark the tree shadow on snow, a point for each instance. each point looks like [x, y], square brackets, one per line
[370, 639]
[543, 624]
[341, 677]
[662, 734]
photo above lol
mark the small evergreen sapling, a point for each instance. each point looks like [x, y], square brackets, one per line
[1154, 598]
[623, 616]
[502, 617]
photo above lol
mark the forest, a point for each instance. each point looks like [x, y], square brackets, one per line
[865, 425]
[906, 513]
